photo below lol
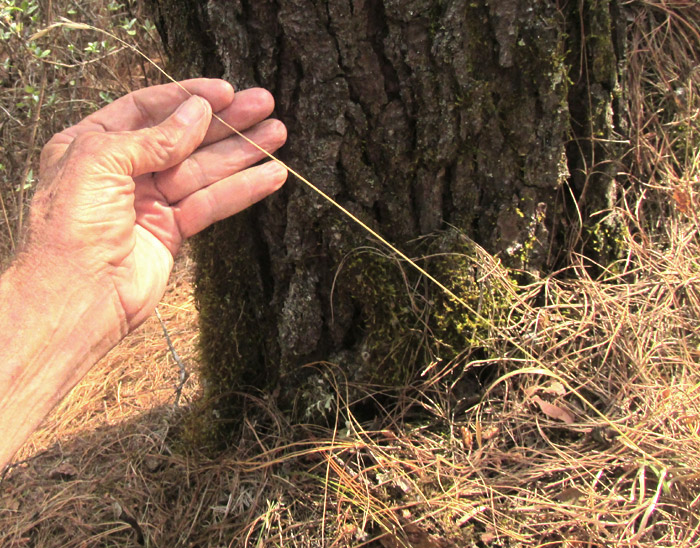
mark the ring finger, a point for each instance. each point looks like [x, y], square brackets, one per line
[227, 197]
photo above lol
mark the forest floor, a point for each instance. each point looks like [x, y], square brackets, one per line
[586, 431]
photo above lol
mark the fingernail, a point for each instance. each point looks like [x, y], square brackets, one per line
[273, 169]
[278, 173]
[190, 111]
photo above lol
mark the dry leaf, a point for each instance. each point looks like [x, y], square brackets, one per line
[570, 494]
[467, 438]
[682, 199]
[531, 390]
[153, 463]
[490, 432]
[556, 388]
[488, 538]
[63, 471]
[553, 411]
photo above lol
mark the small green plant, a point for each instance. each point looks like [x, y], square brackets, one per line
[148, 26]
[128, 26]
[99, 46]
[39, 52]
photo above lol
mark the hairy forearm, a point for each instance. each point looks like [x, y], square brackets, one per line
[54, 325]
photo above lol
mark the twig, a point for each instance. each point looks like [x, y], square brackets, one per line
[7, 222]
[10, 115]
[122, 515]
[183, 372]
[30, 152]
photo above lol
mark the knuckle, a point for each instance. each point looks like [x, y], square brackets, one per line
[159, 143]
[45, 155]
[88, 143]
[88, 140]
[84, 146]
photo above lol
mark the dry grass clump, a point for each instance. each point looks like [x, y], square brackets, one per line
[574, 422]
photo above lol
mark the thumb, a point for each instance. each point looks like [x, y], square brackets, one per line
[159, 147]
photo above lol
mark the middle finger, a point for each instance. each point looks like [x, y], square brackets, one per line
[219, 160]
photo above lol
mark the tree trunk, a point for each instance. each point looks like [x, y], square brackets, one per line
[441, 124]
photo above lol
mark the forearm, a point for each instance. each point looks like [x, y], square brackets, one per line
[54, 325]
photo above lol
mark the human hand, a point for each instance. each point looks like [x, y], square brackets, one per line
[121, 190]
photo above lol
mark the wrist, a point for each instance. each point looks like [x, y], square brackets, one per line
[67, 296]
[54, 325]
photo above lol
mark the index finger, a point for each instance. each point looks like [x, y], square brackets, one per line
[149, 106]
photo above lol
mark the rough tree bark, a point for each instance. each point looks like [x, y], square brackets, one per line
[438, 122]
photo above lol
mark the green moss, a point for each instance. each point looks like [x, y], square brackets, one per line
[230, 298]
[606, 241]
[403, 323]
[395, 322]
[489, 297]
[407, 324]
[390, 326]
